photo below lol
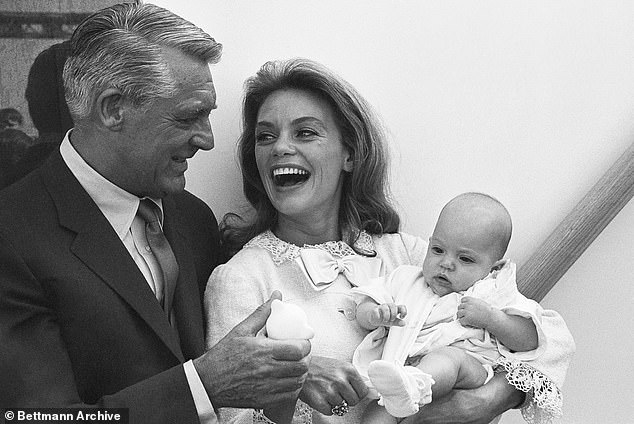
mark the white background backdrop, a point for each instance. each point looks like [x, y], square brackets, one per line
[528, 101]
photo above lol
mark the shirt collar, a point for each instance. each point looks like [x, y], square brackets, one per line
[118, 206]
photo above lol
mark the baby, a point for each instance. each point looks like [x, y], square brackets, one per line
[463, 310]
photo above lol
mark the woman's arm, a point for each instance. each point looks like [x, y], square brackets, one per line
[474, 406]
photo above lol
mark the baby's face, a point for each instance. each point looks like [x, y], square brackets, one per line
[459, 254]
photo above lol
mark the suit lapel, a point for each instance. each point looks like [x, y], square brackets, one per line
[100, 249]
[187, 303]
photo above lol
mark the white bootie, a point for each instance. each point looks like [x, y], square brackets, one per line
[401, 388]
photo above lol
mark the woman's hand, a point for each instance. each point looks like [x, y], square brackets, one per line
[330, 382]
[474, 406]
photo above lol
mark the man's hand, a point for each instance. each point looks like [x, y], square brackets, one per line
[246, 371]
[474, 312]
[331, 381]
[387, 314]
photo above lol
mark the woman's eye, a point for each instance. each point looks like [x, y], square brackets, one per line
[264, 138]
[306, 133]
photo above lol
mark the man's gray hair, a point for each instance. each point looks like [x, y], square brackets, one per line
[121, 47]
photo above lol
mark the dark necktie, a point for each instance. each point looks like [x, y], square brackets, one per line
[162, 251]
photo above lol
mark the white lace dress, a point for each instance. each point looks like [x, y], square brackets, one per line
[267, 263]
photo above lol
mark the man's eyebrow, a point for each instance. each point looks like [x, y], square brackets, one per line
[198, 110]
[197, 104]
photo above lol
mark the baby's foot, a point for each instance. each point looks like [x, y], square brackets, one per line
[402, 389]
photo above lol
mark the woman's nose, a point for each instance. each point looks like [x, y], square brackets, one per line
[283, 145]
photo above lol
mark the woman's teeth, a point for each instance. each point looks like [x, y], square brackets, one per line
[289, 176]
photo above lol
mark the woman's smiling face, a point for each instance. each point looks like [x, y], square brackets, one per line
[300, 155]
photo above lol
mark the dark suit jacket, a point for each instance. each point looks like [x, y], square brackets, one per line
[78, 322]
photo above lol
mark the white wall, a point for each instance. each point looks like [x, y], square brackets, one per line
[528, 101]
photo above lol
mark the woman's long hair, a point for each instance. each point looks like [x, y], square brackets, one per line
[365, 203]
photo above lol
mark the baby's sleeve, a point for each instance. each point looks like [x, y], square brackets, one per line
[529, 309]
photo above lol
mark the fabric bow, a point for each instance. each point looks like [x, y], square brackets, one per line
[322, 268]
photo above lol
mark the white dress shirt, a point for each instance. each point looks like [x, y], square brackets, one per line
[120, 209]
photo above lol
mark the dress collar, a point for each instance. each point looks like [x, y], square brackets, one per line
[282, 251]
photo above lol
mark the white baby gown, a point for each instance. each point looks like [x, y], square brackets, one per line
[431, 323]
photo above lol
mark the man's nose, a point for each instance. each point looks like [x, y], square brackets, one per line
[204, 137]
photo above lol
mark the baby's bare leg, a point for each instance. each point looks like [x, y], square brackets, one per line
[452, 368]
[376, 414]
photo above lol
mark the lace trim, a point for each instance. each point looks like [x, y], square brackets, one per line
[303, 415]
[282, 251]
[543, 398]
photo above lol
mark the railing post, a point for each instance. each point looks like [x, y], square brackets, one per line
[579, 229]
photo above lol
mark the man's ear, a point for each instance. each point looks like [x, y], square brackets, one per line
[110, 109]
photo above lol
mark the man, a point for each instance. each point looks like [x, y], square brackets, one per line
[96, 308]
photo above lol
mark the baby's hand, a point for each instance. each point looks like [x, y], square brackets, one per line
[388, 314]
[474, 312]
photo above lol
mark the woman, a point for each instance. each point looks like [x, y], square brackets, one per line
[315, 171]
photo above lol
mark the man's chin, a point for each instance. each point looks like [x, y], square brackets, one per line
[171, 186]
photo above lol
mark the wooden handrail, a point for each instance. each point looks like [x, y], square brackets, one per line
[578, 230]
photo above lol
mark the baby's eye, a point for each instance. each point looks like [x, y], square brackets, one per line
[437, 250]
[467, 260]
